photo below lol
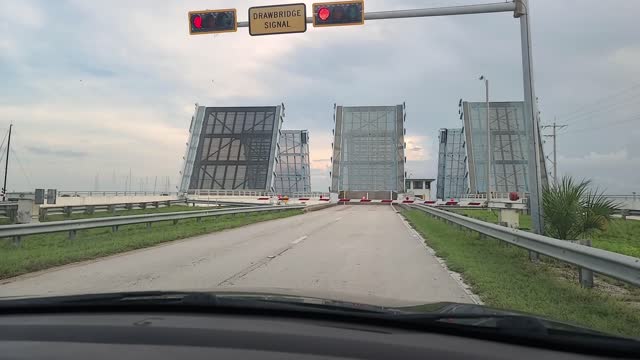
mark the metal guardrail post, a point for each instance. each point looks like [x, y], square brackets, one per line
[585, 275]
[112, 208]
[175, 222]
[90, 209]
[148, 226]
[128, 206]
[67, 210]
[114, 228]
[42, 214]
[156, 204]
[534, 256]
[72, 234]
[143, 205]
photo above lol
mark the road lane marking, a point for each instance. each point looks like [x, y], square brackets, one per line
[299, 239]
[338, 219]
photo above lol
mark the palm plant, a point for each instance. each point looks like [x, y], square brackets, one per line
[573, 211]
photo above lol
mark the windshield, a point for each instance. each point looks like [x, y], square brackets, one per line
[389, 153]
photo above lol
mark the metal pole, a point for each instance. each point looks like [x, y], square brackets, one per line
[442, 11]
[486, 85]
[555, 158]
[535, 183]
[6, 166]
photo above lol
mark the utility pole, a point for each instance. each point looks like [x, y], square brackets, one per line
[555, 127]
[6, 166]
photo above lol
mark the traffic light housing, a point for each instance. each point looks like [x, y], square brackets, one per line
[338, 13]
[212, 21]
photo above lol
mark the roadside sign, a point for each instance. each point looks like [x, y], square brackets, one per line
[277, 19]
[212, 21]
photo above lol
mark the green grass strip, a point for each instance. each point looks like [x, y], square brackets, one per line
[504, 278]
[622, 236]
[40, 252]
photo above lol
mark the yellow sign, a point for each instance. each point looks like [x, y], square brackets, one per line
[277, 19]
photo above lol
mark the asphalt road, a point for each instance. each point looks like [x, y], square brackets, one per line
[353, 251]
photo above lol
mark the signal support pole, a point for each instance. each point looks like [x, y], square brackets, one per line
[531, 118]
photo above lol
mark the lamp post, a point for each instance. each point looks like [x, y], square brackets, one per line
[488, 169]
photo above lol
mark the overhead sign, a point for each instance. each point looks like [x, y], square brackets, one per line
[277, 19]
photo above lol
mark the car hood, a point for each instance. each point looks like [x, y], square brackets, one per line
[344, 301]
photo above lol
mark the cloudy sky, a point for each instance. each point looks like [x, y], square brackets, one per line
[94, 90]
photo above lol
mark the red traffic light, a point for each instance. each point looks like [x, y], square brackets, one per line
[197, 21]
[324, 13]
[212, 21]
[338, 13]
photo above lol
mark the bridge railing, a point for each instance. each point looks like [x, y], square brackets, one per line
[67, 210]
[114, 193]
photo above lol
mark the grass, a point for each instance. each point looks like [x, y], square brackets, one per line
[40, 252]
[622, 236]
[504, 278]
[492, 216]
[173, 208]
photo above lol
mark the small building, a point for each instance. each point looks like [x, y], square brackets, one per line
[420, 188]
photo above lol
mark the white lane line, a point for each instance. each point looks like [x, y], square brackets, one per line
[338, 219]
[299, 239]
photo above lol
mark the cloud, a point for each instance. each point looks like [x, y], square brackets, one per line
[614, 172]
[139, 82]
[418, 147]
[39, 150]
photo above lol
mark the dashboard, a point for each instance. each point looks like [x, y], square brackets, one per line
[214, 336]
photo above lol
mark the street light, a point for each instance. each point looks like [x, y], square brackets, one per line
[488, 170]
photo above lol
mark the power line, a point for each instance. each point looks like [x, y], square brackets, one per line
[584, 116]
[598, 102]
[622, 121]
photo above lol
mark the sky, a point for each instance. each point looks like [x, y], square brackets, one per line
[98, 91]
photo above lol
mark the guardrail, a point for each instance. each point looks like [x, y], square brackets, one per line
[618, 266]
[207, 192]
[72, 226]
[9, 210]
[67, 210]
[114, 193]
